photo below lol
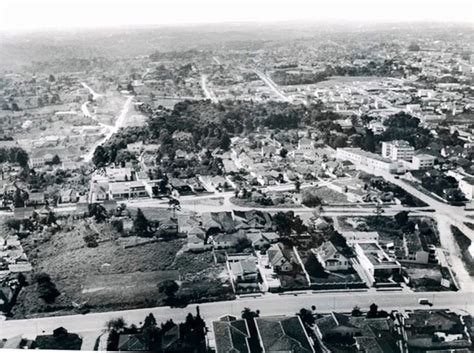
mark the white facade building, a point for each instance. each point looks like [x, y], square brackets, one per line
[422, 161]
[368, 159]
[398, 150]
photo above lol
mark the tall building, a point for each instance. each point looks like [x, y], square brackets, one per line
[398, 150]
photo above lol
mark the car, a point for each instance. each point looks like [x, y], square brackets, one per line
[424, 301]
[397, 176]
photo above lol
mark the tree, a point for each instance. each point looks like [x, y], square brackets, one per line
[51, 78]
[356, 311]
[150, 321]
[284, 222]
[90, 241]
[174, 205]
[116, 325]
[100, 157]
[56, 160]
[401, 218]
[298, 226]
[21, 157]
[46, 289]
[372, 311]
[18, 199]
[98, 212]
[225, 142]
[297, 185]
[248, 314]
[169, 287]
[306, 316]
[283, 153]
[15, 107]
[141, 226]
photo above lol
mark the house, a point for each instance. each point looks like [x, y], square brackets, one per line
[135, 148]
[377, 127]
[371, 335]
[414, 249]
[36, 199]
[127, 190]
[331, 258]
[305, 144]
[118, 174]
[280, 259]
[435, 330]
[253, 219]
[132, 342]
[231, 335]
[227, 240]
[36, 162]
[68, 196]
[353, 237]
[219, 221]
[283, 334]
[198, 240]
[262, 240]
[243, 271]
[171, 338]
[99, 191]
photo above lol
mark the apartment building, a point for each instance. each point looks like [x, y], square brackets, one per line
[398, 150]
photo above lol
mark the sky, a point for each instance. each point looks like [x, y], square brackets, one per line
[27, 15]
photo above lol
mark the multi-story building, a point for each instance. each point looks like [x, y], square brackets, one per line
[398, 150]
[375, 261]
[422, 161]
[368, 159]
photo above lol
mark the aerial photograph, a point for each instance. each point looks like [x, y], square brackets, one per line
[237, 176]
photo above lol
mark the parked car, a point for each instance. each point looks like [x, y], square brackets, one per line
[424, 301]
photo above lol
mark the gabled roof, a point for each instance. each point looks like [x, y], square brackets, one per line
[231, 335]
[327, 251]
[170, 337]
[132, 342]
[283, 334]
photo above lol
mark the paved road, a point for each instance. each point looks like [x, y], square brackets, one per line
[445, 215]
[269, 82]
[270, 304]
[207, 92]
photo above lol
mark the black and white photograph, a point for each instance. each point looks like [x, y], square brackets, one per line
[225, 176]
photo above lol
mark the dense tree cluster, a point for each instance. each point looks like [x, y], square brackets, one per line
[14, 155]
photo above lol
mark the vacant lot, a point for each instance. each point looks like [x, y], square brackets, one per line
[110, 276]
[74, 268]
[326, 195]
[425, 277]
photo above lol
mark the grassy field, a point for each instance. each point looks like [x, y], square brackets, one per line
[110, 276]
[328, 196]
[73, 266]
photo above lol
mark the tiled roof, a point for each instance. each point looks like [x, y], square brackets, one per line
[231, 336]
[283, 334]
